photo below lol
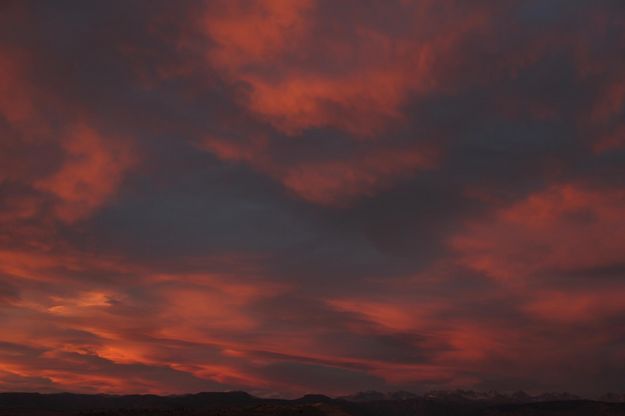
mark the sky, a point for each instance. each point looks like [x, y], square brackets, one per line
[295, 196]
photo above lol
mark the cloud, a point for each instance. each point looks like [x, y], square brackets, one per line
[93, 170]
[304, 69]
[331, 182]
[565, 227]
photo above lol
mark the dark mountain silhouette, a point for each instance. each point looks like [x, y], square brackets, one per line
[613, 397]
[464, 396]
[439, 403]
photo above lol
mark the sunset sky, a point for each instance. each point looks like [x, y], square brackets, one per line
[294, 196]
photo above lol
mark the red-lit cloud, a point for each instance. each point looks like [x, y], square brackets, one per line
[90, 174]
[305, 68]
[565, 228]
[330, 182]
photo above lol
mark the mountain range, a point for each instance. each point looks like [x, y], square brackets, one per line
[370, 403]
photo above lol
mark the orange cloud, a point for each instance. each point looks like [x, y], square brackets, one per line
[576, 307]
[305, 72]
[84, 302]
[331, 182]
[86, 328]
[563, 228]
[93, 165]
[26, 264]
[613, 140]
[15, 103]
[249, 31]
[387, 315]
[93, 168]
[335, 182]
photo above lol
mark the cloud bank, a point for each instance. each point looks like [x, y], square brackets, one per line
[312, 196]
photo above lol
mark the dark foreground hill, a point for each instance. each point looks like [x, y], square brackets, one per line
[243, 404]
